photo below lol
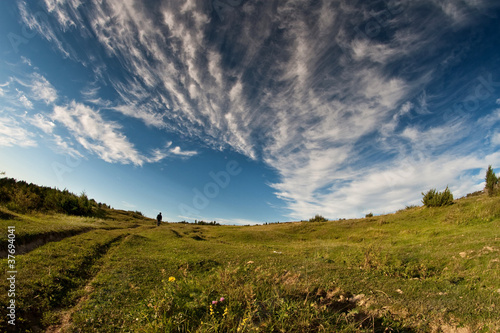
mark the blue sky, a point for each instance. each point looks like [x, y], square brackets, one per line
[250, 111]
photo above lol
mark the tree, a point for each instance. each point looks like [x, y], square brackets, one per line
[491, 181]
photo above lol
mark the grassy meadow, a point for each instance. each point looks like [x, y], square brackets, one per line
[418, 270]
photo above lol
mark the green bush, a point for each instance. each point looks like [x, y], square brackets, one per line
[434, 198]
[318, 218]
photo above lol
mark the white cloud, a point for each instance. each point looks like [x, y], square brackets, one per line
[178, 151]
[105, 138]
[13, 134]
[64, 148]
[434, 137]
[454, 11]
[38, 23]
[56, 7]
[96, 134]
[141, 112]
[496, 139]
[40, 121]
[90, 92]
[25, 101]
[304, 100]
[235, 221]
[26, 61]
[160, 154]
[385, 190]
[42, 89]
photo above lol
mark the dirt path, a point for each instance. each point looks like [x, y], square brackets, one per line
[66, 314]
[65, 324]
[44, 239]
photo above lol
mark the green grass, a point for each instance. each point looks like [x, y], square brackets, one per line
[43, 228]
[419, 270]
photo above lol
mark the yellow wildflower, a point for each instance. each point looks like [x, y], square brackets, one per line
[171, 279]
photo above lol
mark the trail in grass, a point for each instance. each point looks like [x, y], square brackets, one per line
[65, 316]
[50, 277]
[45, 238]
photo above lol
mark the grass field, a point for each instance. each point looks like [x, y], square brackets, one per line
[419, 270]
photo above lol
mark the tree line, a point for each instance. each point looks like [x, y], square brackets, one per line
[23, 197]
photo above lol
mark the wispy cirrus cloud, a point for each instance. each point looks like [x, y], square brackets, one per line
[178, 151]
[324, 93]
[13, 133]
[88, 129]
[66, 147]
[25, 101]
[42, 89]
[40, 121]
[97, 135]
[159, 154]
[104, 137]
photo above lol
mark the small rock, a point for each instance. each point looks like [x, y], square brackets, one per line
[399, 291]
[463, 254]
[357, 298]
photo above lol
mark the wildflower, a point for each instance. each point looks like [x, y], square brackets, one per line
[171, 279]
[222, 299]
[214, 302]
[242, 324]
[211, 310]
[226, 311]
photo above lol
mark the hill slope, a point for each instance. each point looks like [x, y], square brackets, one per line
[419, 270]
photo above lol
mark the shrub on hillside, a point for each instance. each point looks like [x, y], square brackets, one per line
[434, 198]
[369, 215]
[318, 218]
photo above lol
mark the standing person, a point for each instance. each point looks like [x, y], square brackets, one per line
[158, 219]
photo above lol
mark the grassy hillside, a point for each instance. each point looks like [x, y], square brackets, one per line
[419, 270]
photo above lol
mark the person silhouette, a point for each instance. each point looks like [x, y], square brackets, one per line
[158, 219]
